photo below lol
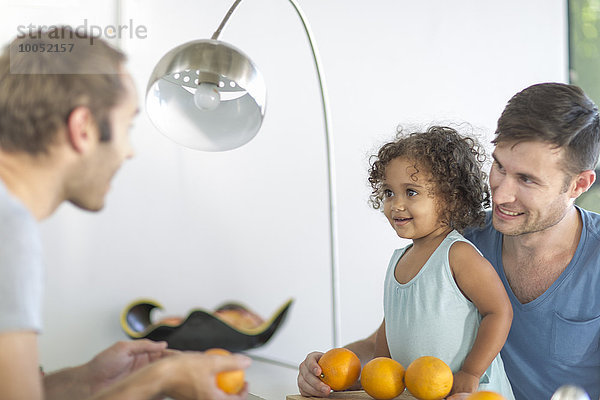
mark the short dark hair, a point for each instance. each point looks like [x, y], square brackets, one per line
[555, 113]
[455, 165]
[38, 91]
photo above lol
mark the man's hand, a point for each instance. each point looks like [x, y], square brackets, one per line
[120, 360]
[308, 377]
[183, 376]
[192, 375]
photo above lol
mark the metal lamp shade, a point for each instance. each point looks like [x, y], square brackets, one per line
[170, 96]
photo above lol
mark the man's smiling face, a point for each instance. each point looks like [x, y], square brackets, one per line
[527, 181]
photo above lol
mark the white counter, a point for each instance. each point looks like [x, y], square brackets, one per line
[271, 380]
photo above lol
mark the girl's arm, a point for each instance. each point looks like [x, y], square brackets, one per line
[381, 345]
[379, 349]
[364, 348]
[479, 282]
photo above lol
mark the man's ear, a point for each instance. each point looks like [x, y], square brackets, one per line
[582, 182]
[81, 129]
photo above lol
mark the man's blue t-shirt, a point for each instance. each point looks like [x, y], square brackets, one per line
[555, 339]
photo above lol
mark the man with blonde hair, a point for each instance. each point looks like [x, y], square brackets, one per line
[66, 105]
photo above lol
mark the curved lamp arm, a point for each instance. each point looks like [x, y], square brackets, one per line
[331, 184]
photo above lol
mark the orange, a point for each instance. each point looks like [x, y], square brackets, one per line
[485, 395]
[239, 318]
[383, 378]
[231, 382]
[173, 321]
[340, 368]
[428, 378]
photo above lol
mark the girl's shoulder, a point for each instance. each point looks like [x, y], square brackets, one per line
[456, 242]
[463, 255]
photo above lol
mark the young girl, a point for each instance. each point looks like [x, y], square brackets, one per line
[441, 298]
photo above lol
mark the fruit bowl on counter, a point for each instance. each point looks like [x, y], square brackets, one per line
[232, 326]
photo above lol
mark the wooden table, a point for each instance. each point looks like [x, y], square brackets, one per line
[350, 395]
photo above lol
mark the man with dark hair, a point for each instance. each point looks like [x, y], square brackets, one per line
[545, 249]
[64, 122]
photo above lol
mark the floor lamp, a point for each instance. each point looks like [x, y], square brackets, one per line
[208, 95]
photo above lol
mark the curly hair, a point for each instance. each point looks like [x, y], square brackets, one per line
[454, 163]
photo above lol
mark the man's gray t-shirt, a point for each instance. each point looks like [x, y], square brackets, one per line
[21, 269]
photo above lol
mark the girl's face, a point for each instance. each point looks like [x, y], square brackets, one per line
[408, 201]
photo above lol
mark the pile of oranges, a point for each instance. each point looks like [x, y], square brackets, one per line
[426, 378]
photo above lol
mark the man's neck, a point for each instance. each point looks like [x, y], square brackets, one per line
[533, 262]
[35, 181]
[557, 239]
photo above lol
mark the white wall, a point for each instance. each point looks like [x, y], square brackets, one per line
[193, 229]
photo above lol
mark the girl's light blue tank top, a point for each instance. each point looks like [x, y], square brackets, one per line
[429, 316]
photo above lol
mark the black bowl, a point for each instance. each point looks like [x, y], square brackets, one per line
[200, 330]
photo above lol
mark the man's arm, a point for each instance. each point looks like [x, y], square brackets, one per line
[66, 383]
[190, 375]
[108, 367]
[20, 376]
[143, 370]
